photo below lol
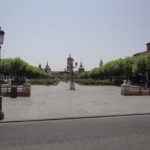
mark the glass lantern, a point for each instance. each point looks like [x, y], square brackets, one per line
[2, 33]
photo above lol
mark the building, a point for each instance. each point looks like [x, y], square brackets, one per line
[145, 52]
[48, 69]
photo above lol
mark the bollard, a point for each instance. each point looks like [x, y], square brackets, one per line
[14, 91]
[124, 90]
[1, 113]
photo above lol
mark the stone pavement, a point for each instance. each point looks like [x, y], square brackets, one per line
[59, 102]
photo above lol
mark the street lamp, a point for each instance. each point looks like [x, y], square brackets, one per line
[2, 33]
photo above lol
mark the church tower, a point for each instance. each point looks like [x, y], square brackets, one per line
[48, 69]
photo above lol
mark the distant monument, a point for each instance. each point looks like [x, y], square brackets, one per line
[48, 69]
[81, 68]
[70, 69]
[101, 63]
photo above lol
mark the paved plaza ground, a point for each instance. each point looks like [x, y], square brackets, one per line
[58, 102]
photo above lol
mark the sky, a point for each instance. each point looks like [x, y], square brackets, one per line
[48, 30]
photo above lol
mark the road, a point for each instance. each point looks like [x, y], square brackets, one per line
[110, 133]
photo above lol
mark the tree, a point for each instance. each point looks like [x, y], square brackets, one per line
[18, 67]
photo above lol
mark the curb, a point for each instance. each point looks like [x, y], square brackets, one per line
[74, 118]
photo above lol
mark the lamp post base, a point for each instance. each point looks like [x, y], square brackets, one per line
[1, 115]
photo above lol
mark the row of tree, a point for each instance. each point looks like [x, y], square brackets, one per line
[128, 68]
[132, 68]
[20, 68]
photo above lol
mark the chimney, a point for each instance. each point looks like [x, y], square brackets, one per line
[148, 47]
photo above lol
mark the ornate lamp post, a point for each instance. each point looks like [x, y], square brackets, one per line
[2, 33]
[70, 67]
